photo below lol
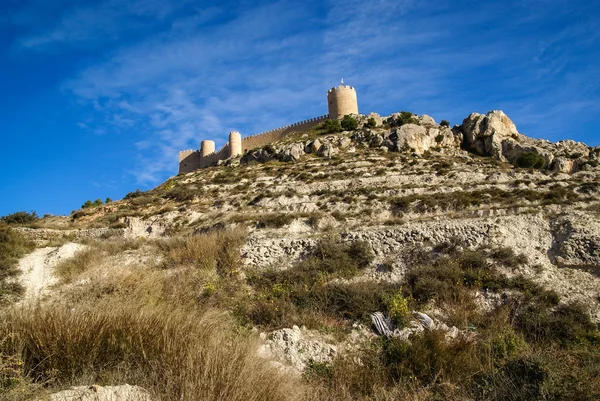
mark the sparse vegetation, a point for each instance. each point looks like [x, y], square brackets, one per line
[332, 126]
[349, 123]
[530, 160]
[20, 218]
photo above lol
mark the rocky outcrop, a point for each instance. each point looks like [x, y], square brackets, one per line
[576, 242]
[99, 393]
[296, 347]
[494, 134]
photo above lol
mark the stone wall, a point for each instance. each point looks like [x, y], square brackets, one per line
[190, 160]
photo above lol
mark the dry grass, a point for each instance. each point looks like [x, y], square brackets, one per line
[175, 354]
[93, 255]
[218, 250]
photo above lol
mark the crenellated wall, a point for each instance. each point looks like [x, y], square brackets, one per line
[190, 160]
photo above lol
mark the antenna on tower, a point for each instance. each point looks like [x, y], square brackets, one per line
[343, 82]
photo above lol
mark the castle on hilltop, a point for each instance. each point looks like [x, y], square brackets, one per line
[341, 101]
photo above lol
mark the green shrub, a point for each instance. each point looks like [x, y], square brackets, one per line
[134, 194]
[349, 123]
[445, 123]
[397, 307]
[86, 204]
[439, 138]
[332, 126]
[371, 123]
[20, 218]
[404, 117]
[530, 160]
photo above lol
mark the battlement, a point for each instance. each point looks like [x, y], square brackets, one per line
[341, 88]
[341, 100]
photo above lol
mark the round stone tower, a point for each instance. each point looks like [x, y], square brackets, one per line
[342, 101]
[207, 147]
[235, 144]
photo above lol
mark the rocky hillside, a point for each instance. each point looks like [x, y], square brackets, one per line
[478, 247]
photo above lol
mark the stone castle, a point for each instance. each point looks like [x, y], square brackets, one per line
[341, 101]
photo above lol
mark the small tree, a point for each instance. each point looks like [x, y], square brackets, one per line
[371, 122]
[445, 123]
[86, 204]
[20, 218]
[349, 123]
[530, 160]
[332, 126]
[97, 202]
[108, 200]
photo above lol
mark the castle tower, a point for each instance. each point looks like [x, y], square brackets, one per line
[207, 147]
[235, 144]
[342, 101]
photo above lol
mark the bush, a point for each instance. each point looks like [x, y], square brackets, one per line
[439, 138]
[20, 218]
[371, 122]
[445, 123]
[349, 123]
[332, 126]
[404, 117]
[274, 220]
[397, 307]
[134, 194]
[530, 160]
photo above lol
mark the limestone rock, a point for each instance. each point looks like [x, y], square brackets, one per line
[413, 136]
[99, 393]
[327, 150]
[563, 165]
[293, 152]
[426, 120]
[296, 347]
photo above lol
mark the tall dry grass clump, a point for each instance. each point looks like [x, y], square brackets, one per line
[218, 250]
[176, 355]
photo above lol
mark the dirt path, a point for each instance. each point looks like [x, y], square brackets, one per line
[38, 267]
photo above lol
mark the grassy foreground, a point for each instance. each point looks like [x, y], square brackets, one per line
[183, 328]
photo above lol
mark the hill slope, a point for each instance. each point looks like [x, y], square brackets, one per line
[485, 273]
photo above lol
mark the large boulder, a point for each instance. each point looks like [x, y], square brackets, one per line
[99, 393]
[413, 137]
[486, 134]
[293, 152]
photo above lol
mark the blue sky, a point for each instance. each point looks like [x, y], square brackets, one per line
[97, 97]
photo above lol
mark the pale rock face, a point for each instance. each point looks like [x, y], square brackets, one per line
[315, 147]
[99, 393]
[344, 142]
[414, 136]
[296, 347]
[293, 152]
[377, 117]
[327, 150]
[426, 120]
[563, 165]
